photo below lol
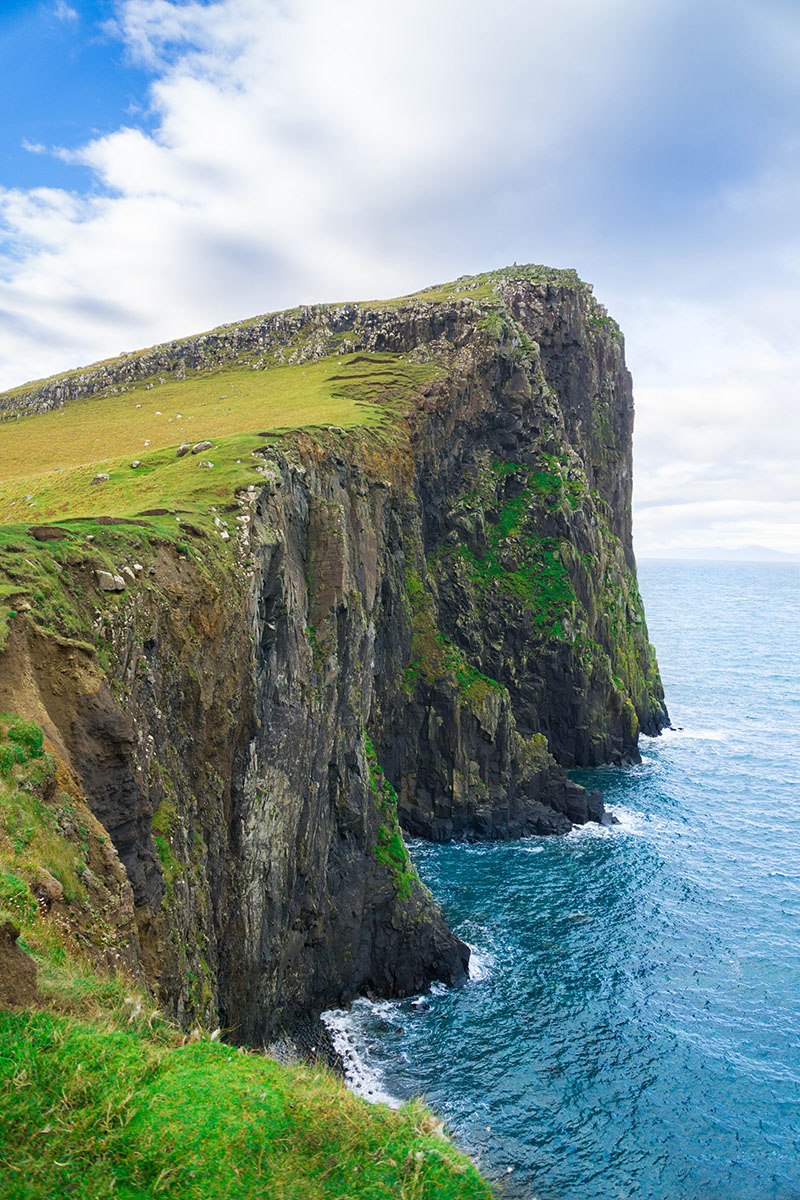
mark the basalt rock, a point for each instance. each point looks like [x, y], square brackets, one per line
[426, 630]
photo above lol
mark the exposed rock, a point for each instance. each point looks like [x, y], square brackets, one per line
[102, 477]
[108, 582]
[47, 889]
[104, 520]
[183, 449]
[205, 463]
[49, 533]
[467, 597]
[137, 462]
[17, 970]
[199, 447]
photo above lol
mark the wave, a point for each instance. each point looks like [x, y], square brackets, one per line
[350, 1030]
[481, 963]
[627, 821]
[682, 733]
[362, 1075]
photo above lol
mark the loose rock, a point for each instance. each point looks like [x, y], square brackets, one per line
[47, 889]
[199, 447]
[184, 448]
[107, 582]
[102, 477]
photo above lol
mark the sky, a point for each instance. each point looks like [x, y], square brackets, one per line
[170, 165]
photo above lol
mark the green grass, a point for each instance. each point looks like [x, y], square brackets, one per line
[518, 562]
[94, 1112]
[50, 460]
[41, 829]
[100, 1096]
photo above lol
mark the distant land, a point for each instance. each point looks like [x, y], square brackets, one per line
[727, 554]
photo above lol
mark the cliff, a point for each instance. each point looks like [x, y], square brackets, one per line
[394, 586]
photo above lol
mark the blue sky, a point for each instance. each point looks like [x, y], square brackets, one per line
[65, 79]
[167, 166]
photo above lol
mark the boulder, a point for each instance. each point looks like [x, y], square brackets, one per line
[199, 447]
[184, 448]
[205, 463]
[108, 582]
[102, 477]
[47, 889]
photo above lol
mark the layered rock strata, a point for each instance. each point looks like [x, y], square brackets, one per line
[427, 630]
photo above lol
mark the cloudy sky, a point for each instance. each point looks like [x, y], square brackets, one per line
[171, 165]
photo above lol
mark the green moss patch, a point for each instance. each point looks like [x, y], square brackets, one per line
[435, 659]
[390, 848]
[515, 560]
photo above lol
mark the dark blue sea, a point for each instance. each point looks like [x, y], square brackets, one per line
[633, 1026]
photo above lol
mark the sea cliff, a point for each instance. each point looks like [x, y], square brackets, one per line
[393, 589]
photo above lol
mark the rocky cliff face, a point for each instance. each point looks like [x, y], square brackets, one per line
[427, 629]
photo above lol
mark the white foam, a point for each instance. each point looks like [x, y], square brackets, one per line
[627, 821]
[698, 735]
[362, 1077]
[480, 964]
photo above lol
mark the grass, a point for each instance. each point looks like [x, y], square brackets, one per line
[50, 460]
[100, 1096]
[55, 579]
[45, 830]
[94, 1112]
[518, 562]
[29, 825]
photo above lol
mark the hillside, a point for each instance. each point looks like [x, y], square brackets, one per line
[280, 592]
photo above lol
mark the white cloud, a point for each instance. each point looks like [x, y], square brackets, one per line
[305, 150]
[64, 12]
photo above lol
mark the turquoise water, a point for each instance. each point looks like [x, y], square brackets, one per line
[634, 1027]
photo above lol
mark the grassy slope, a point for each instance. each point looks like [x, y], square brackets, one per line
[483, 287]
[100, 1097]
[99, 1111]
[49, 461]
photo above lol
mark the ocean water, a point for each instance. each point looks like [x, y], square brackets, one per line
[632, 1027]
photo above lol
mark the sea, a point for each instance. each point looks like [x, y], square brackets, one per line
[631, 1027]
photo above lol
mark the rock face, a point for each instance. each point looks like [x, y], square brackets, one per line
[429, 628]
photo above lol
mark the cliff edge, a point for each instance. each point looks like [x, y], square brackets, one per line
[281, 591]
